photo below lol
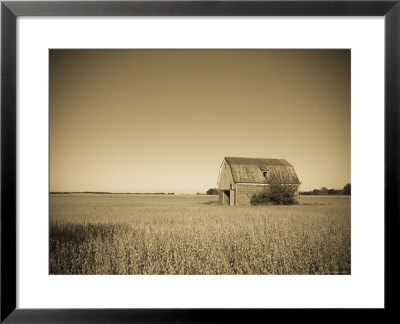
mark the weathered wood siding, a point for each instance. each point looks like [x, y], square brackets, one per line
[232, 199]
[245, 192]
[225, 177]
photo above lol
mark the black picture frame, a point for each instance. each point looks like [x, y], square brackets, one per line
[10, 10]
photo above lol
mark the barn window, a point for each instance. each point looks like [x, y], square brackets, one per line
[265, 173]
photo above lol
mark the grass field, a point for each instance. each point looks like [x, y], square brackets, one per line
[179, 234]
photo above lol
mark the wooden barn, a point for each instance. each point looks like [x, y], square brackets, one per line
[240, 178]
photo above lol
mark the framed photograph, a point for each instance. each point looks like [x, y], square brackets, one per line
[197, 161]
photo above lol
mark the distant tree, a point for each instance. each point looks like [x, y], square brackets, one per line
[324, 191]
[347, 189]
[315, 192]
[212, 191]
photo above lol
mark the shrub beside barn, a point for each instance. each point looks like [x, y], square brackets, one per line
[240, 178]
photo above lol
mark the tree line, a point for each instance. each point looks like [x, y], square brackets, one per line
[325, 191]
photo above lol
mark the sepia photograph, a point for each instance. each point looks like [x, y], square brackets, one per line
[200, 162]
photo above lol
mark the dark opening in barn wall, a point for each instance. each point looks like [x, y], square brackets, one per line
[225, 197]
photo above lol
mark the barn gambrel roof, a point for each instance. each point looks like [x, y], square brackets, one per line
[250, 170]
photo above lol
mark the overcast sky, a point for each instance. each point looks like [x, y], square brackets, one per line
[163, 120]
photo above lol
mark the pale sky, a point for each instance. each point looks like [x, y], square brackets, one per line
[163, 120]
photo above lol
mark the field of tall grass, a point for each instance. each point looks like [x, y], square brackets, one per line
[179, 234]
